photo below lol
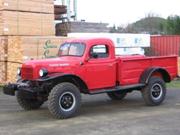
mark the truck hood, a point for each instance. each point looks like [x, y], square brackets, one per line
[54, 62]
[53, 65]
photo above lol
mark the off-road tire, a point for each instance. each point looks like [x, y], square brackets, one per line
[117, 95]
[28, 104]
[57, 97]
[155, 91]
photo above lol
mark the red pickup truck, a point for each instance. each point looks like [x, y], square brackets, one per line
[90, 66]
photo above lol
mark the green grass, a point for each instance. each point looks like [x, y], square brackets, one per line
[174, 84]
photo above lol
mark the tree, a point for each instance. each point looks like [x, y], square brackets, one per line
[113, 29]
[173, 25]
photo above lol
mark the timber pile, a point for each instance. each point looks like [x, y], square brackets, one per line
[27, 17]
[10, 58]
[80, 27]
[26, 23]
[14, 57]
[2, 59]
[2, 49]
[41, 47]
[40, 6]
[59, 11]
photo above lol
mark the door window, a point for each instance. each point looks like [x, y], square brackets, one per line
[99, 51]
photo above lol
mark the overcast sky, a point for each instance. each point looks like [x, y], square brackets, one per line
[125, 11]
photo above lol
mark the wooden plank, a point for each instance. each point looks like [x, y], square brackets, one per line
[26, 23]
[43, 6]
[41, 47]
[2, 72]
[83, 27]
[2, 49]
[15, 55]
[2, 59]
[60, 9]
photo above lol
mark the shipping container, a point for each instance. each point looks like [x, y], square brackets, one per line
[165, 45]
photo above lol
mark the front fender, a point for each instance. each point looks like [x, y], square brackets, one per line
[54, 79]
[51, 77]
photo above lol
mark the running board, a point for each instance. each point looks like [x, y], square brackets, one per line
[118, 88]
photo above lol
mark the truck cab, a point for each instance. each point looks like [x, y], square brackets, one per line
[90, 66]
[81, 58]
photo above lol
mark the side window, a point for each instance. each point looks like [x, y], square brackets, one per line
[99, 51]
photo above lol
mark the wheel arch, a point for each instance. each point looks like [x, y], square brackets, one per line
[155, 71]
[74, 79]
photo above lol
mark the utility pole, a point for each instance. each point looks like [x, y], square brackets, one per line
[75, 10]
[68, 10]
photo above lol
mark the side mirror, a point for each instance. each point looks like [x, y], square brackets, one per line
[86, 60]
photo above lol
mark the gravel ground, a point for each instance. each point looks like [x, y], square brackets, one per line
[98, 116]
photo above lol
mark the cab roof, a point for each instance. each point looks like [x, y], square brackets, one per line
[91, 40]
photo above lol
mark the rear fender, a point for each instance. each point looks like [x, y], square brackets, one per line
[158, 71]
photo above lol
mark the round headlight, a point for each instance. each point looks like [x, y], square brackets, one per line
[43, 72]
[19, 71]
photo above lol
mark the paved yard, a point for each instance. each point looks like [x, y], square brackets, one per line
[98, 116]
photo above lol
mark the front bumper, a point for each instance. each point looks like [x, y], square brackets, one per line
[10, 89]
[26, 90]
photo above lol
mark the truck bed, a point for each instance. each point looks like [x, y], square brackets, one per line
[130, 68]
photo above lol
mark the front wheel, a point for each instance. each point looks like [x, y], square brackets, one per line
[64, 100]
[28, 103]
[155, 91]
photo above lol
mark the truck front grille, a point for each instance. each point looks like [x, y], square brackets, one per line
[27, 73]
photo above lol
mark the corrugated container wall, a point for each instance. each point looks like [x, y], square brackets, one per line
[165, 45]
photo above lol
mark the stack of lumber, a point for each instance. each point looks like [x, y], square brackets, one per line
[2, 49]
[11, 58]
[40, 6]
[2, 59]
[26, 23]
[80, 27]
[2, 72]
[14, 57]
[59, 10]
[24, 27]
[41, 47]
[27, 17]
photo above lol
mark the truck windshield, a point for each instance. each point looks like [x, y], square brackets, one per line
[71, 49]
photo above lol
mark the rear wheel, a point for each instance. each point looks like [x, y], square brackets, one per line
[154, 93]
[28, 103]
[64, 100]
[116, 95]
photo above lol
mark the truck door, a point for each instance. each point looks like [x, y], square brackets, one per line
[100, 68]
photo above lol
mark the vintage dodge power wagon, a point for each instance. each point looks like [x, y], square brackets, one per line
[90, 66]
